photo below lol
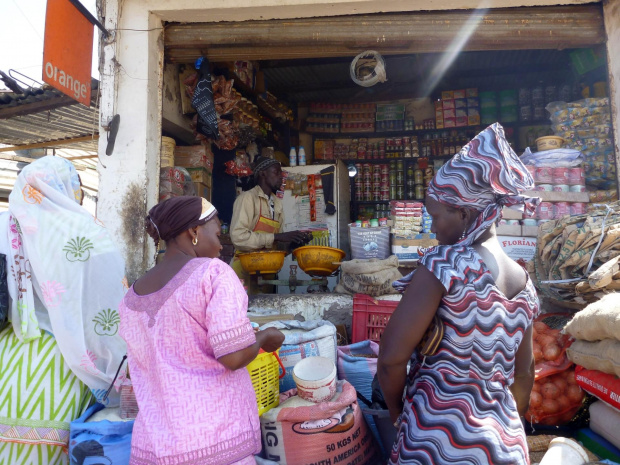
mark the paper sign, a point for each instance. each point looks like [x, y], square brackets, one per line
[518, 247]
[68, 50]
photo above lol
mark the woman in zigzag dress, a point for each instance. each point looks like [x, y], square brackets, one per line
[61, 348]
[462, 404]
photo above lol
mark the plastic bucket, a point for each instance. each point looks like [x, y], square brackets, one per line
[564, 451]
[167, 152]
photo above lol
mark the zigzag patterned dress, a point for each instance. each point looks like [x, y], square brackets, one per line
[458, 406]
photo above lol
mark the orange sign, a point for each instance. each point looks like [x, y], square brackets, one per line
[68, 50]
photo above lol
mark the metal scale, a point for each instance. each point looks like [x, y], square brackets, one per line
[315, 285]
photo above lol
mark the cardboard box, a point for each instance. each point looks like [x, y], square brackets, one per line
[517, 248]
[510, 214]
[449, 113]
[473, 120]
[369, 243]
[509, 230]
[438, 105]
[461, 121]
[406, 248]
[202, 190]
[439, 124]
[460, 103]
[471, 92]
[447, 104]
[530, 231]
[200, 175]
[447, 95]
[449, 122]
[194, 156]
[473, 103]
[459, 93]
[460, 112]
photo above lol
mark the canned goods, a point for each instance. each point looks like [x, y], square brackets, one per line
[359, 195]
[392, 191]
[368, 196]
[376, 169]
[382, 221]
[385, 195]
[544, 187]
[367, 168]
[576, 176]
[358, 223]
[560, 175]
[376, 177]
[560, 209]
[418, 177]
[419, 192]
[385, 178]
[544, 175]
[400, 178]
[544, 211]
[529, 222]
[365, 224]
[385, 169]
[577, 188]
[367, 177]
[532, 170]
[367, 188]
[400, 165]
[376, 186]
[400, 192]
[376, 196]
[577, 208]
[511, 222]
[410, 183]
[561, 188]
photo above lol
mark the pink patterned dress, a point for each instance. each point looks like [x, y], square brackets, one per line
[193, 410]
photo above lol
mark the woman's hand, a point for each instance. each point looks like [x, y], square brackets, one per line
[270, 339]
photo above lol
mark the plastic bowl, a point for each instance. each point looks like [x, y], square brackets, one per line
[264, 262]
[317, 260]
[315, 378]
[549, 143]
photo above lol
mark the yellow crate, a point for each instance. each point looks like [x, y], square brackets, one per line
[265, 374]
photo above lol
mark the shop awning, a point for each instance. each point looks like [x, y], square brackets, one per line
[403, 33]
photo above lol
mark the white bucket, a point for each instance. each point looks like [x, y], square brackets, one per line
[564, 451]
[167, 152]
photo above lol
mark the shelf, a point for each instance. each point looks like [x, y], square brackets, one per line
[387, 160]
[369, 202]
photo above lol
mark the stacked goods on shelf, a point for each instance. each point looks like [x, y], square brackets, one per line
[391, 117]
[586, 126]
[406, 218]
[358, 118]
[198, 161]
[371, 182]
[508, 101]
[568, 249]
[323, 122]
[173, 182]
[596, 351]
[560, 180]
[457, 108]
[555, 396]
[488, 107]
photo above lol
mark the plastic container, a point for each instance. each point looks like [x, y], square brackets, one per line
[301, 159]
[167, 152]
[564, 451]
[292, 157]
[549, 143]
[265, 374]
[315, 378]
[370, 317]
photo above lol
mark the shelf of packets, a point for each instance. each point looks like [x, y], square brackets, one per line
[457, 108]
[410, 229]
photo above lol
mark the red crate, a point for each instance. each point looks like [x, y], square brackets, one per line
[370, 317]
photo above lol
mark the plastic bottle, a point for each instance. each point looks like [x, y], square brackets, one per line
[302, 156]
[292, 157]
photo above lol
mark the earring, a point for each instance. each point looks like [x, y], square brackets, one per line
[195, 240]
[463, 235]
[156, 251]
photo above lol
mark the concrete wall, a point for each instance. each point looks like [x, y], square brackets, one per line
[132, 86]
[611, 11]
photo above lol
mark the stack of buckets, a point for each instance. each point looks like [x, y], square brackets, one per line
[167, 152]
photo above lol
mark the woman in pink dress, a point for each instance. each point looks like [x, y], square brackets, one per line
[188, 341]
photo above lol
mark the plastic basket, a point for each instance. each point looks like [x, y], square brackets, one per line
[370, 317]
[265, 375]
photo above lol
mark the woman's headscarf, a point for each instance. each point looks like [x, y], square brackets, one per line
[177, 214]
[486, 175]
[66, 274]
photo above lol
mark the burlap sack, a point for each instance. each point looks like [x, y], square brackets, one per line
[599, 320]
[371, 277]
[600, 355]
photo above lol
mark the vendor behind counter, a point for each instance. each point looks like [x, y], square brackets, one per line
[257, 221]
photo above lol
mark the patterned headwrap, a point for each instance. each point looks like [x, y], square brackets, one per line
[262, 163]
[486, 175]
[177, 214]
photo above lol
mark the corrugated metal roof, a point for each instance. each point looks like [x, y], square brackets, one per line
[68, 121]
[321, 80]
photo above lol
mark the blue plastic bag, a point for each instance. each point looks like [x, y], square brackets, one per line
[99, 443]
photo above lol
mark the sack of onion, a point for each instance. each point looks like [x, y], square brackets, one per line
[555, 397]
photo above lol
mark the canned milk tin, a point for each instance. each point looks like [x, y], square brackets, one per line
[561, 188]
[544, 175]
[577, 208]
[576, 176]
[544, 187]
[560, 176]
[532, 170]
[544, 211]
[529, 222]
[577, 188]
[560, 209]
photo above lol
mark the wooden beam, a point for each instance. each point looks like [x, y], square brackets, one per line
[403, 33]
[17, 158]
[52, 143]
[36, 107]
